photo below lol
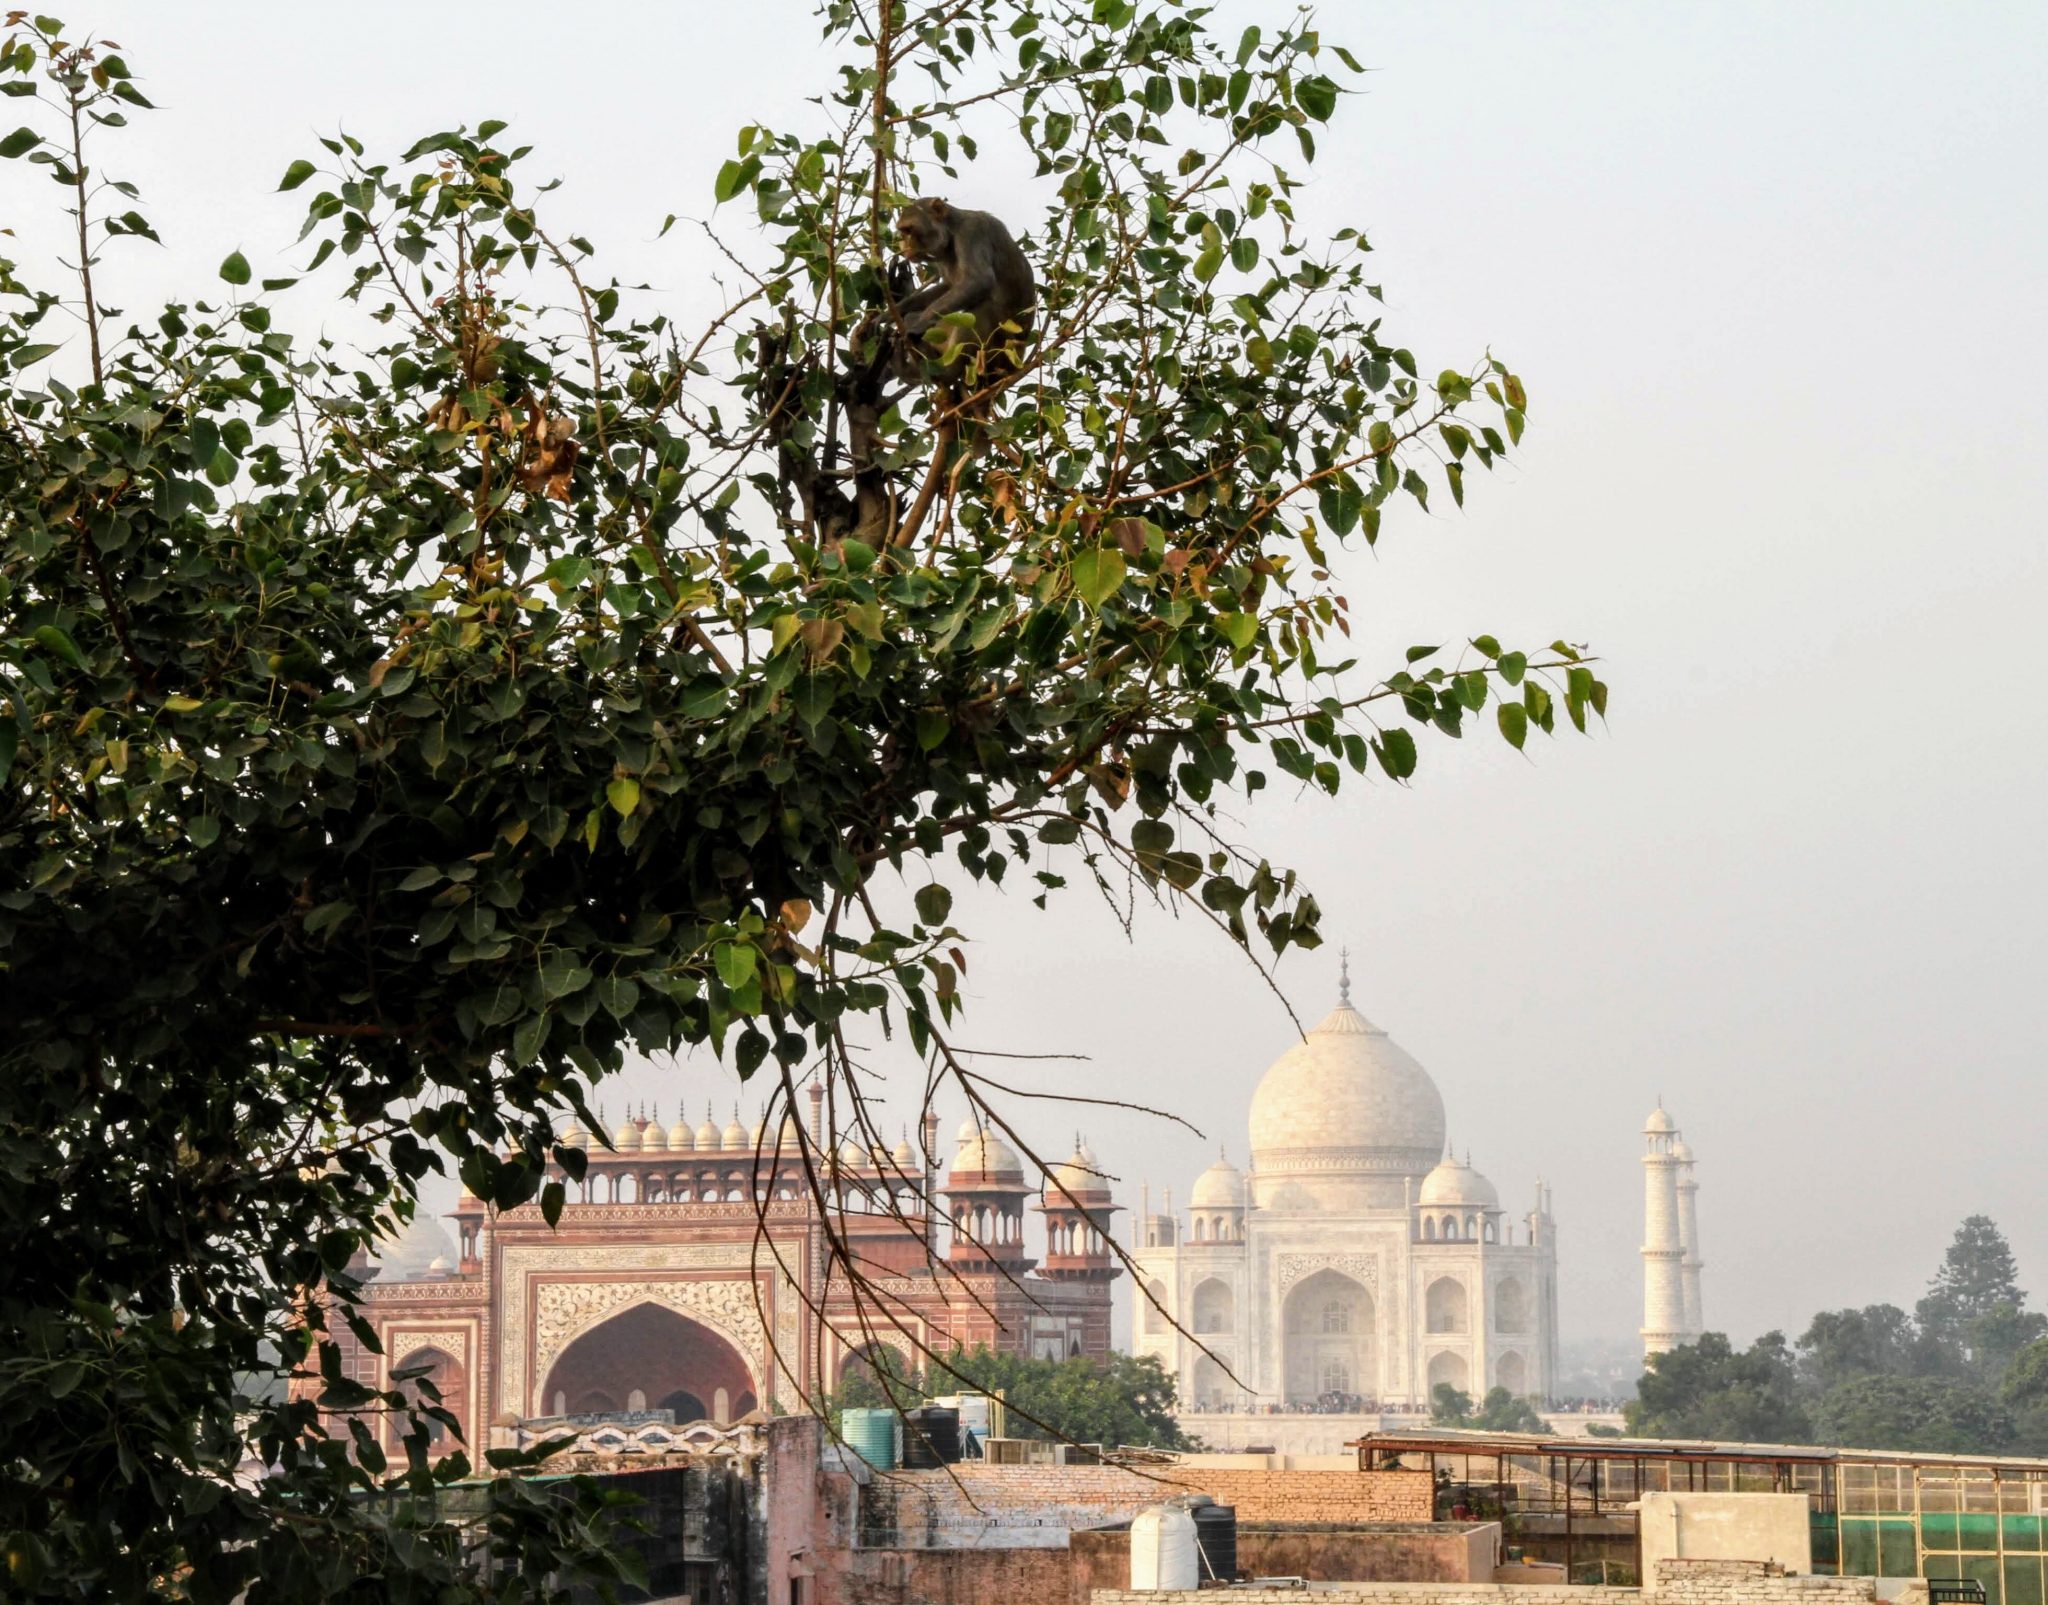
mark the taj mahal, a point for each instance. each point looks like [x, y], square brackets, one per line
[1356, 1262]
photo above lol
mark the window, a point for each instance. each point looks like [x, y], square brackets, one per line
[1337, 1316]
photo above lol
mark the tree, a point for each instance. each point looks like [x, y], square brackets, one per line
[1502, 1411]
[1932, 1414]
[1707, 1389]
[1124, 1399]
[1449, 1406]
[2025, 1392]
[449, 718]
[1976, 1294]
[1841, 1345]
[1499, 1411]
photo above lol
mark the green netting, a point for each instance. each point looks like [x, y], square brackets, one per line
[1879, 1546]
[1978, 1532]
[2023, 1580]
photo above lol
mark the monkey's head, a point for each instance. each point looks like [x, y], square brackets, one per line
[924, 229]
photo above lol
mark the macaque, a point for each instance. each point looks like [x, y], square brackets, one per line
[980, 270]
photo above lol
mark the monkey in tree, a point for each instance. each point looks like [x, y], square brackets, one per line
[981, 271]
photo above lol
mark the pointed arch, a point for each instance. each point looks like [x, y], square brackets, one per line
[648, 1350]
[1446, 1306]
[1330, 1333]
[1215, 1306]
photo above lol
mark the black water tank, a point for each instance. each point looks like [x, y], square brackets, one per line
[1216, 1537]
[931, 1437]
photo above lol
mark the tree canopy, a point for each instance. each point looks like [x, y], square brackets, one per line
[399, 729]
[1499, 1411]
[1125, 1400]
[1963, 1375]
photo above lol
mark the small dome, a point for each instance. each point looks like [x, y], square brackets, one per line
[708, 1140]
[1681, 1150]
[788, 1137]
[735, 1136]
[627, 1138]
[756, 1136]
[988, 1155]
[1080, 1174]
[1456, 1183]
[410, 1256]
[1221, 1186]
[653, 1138]
[681, 1139]
[1660, 1123]
[970, 1128]
[439, 1266]
[903, 1157]
[574, 1136]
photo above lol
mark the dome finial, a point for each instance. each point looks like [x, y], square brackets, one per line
[1344, 976]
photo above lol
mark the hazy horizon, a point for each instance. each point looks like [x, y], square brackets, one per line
[1773, 281]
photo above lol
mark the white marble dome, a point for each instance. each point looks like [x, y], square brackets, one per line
[1344, 1116]
[1454, 1183]
[982, 1152]
[1221, 1186]
[1079, 1175]
[412, 1255]
[1659, 1123]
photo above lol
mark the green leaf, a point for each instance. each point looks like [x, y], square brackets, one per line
[552, 1197]
[624, 795]
[735, 962]
[1341, 502]
[1318, 97]
[236, 268]
[934, 903]
[297, 174]
[1239, 629]
[1097, 574]
[1512, 666]
[52, 639]
[19, 142]
[1209, 263]
[28, 356]
[1514, 724]
[734, 177]
[1395, 750]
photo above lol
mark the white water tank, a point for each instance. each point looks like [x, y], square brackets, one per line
[1163, 1553]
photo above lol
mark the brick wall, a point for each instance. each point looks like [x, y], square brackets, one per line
[1679, 1582]
[1400, 1594]
[929, 1506]
[1752, 1582]
[944, 1577]
[1316, 1496]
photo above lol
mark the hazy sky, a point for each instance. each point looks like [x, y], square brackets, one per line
[1773, 276]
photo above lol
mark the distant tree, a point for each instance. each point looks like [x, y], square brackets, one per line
[1944, 1415]
[2025, 1393]
[1708, 1389]
[1995, 1338]
[1449, 1406]
[1126, 1399]
[1499, 1411]
[1502, 1411]
[1977, 1280]
[1841, 1345]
